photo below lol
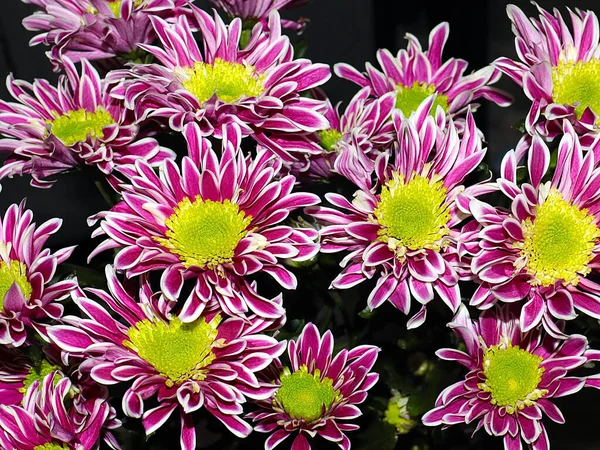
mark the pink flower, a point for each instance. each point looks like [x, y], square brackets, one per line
[53, 129]
[97, 29]
[214, 220]
[318, 393]
[257, 87]
[543, 249]
[415, 74]
[18, 373]
[208, 362]
[365, 125]
[558, 69]
[58, 414]
[400, 230]
[513, 375]
[259, 10]
[27, 299]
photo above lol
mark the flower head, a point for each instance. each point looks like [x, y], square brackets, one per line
[27, 297]
[259, 10]
[214, 220]
[257, 87]
[18, 373]
[558, 69]
[513, 375]
[58, 415]
[97, 29]
[53, 129]
[318, 392]
[209, 362]
[400, 229]
[544, 248]
[365, 125]
[415, 74]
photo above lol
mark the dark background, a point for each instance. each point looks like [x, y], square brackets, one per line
[340, 31]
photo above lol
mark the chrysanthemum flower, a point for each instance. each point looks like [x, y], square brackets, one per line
[208, 363]
[27, 298]
[365, 125]
[58, 415]
[513, 375]
[399, 230]
[258, 87]
[559, 69]
[259, 10]
[18, 373]
[215, 220]
[53, 129]
[415, 74]
[543, 249]
[97, 29]
[318, 393]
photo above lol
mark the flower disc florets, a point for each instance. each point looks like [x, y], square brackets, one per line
[414, 213]
[178, 351]
[205, 233]
[305, 396]
[558, 244]
[512, 377]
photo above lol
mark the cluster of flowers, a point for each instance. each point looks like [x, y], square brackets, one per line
[183, 325]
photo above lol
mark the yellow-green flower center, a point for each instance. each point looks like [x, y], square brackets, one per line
[13, 272]
[305, 396]
[115, 6]
[204, 233]
[229, 81]
[512, 376]
[77, 126]
[329, 138]
[38, 373]
[576, 82]
[52, 446]
[558, 244]
[397, 414]
[413, 214]
[178, 351]
[409, 98]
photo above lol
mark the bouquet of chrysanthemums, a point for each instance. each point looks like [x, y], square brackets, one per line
[273, 270]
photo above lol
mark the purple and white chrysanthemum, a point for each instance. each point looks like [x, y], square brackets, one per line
[543, 249]
[259, 10]
[207, 362]
[400, 229]
[257, 87]
[214, 220]
[97, 29]
[27, 298]
[318, 393]
[53, 129]
[18, 373]
[415, 74]
[365, 125]
[513, 375]
[558, 71]
[57, 414]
